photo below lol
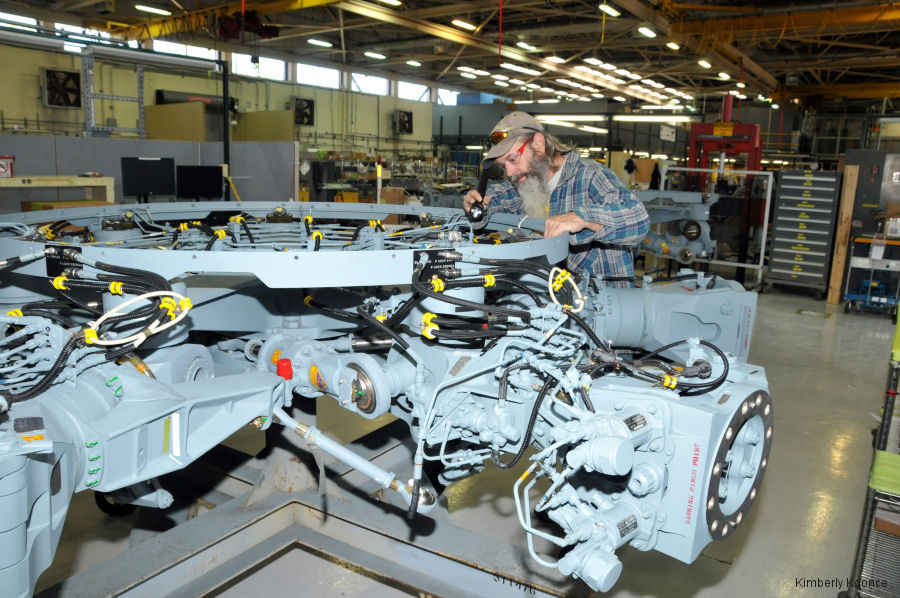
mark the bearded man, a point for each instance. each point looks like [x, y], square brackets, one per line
[547, 179]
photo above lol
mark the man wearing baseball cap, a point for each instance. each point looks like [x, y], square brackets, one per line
[547, 179]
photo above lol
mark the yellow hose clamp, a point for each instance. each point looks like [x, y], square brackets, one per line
[567, 307]
[185, 304]
[183, 226]
[59, 283]
[496, 241]
[490, 280]
[90, 335]
[438, 284]
[428, 318]
[381, 318]
[561, 279]
[115, 287]
[428, 331]
[475, 240]
[308, 300]
[196, 222]
[317, 234]
[221, 233]
[670, 381]
[237, 219]
[308, 219]
[15, 312]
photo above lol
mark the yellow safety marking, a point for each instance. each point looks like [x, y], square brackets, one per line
[59, 283]
[115, 287]
[275, 355]
[561, 279]
[524, 475]
[15, 312]
[490, 280]
[32, 437]
[167, 431]
[90, 335]
[438, 284]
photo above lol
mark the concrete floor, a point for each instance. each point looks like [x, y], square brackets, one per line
[827, 377]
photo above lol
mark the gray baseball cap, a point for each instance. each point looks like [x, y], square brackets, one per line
[511, 127]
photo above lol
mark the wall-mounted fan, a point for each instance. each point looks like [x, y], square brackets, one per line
[61, 89]
[304, 111]
[403, 122]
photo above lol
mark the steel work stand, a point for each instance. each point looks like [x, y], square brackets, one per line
[876, 567]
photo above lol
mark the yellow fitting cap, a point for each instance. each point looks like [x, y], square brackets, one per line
[221, 233]
[428, 331]
[438, 284]
[115, 287]
[90, 335]
[15, 312]
[59, 283]
[490, 280]
[317, 234]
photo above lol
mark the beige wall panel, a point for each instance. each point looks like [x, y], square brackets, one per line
[176, 122]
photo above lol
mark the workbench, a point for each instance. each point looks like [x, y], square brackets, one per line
[96, 188]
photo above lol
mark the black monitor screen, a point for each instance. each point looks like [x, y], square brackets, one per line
[143, 177]
[199, 182]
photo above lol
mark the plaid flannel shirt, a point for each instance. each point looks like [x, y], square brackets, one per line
[597, 195]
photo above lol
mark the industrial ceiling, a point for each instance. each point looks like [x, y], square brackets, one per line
[841, 54]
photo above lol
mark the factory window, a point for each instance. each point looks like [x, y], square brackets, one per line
[412, 91]
[91, 34]
[369, 84]
[266, 68]
[318, 76]
[447, 97]
[183, 50]
[6, 17]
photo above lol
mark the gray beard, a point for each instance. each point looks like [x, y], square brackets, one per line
[534, 191]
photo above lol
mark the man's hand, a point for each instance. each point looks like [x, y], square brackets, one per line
[570, 222]
[471, 197]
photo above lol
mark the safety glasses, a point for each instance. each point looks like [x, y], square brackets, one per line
[497, 136]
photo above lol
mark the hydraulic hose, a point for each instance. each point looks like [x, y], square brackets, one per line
[526, 440]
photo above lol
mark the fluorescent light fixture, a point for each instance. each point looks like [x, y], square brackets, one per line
[623, 72]
[474, 147]
[391, 2]
[548, 90]
[662, 107]
[741, 85]
[532, 86]
[704, 63]
[633, 76]
[724, 76]
[653, 118]
[597, 149]
[468, 75]
[584, 99]
[500, 77]
[153, 10]
[465, 69]
[659, 157]
[501, 83]
[555, 59]
[524, 102]
[413, 63]
[760, 97]
[591, 129]
[609, 10]
[673, 46]
[319, 42]
[560, 123]
[619, 98]
[481, 73]
[374, 55]
[463, 25]
[732, 92]
[517, 82]
[519, 69]
[775, 106]
[593, 61]
[526, 46]
[571, 117]
[646, 32]
[598, 95]
[548, 101]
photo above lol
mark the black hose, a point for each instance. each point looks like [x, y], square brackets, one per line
[382, 326]
[526, 441]
[420, 287]
[588, 330]
[48, 378]
[413, 500]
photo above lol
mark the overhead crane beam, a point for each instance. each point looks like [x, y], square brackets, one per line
[822, 21]
[198, 19]
[858, 91]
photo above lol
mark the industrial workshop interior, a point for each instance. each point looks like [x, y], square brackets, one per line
[459, 299]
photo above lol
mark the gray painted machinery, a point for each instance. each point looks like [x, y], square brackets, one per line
[137, 338]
